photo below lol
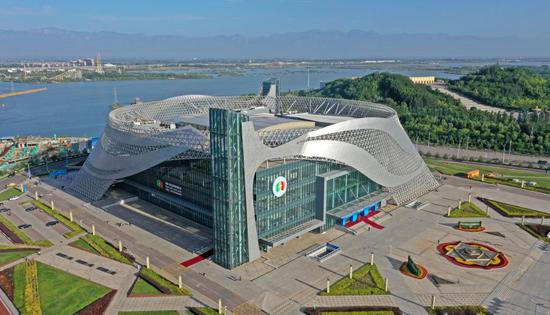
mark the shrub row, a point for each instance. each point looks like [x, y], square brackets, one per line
[17, 236]
[106, 249]
[75, 228]
[161, 283]
[32, 296]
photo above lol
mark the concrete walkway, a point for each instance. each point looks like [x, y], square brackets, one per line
[352, 300]
[161, 303]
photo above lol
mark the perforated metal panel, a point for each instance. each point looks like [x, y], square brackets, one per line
[139, 136]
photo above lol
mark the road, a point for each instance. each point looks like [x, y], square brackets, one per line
[467, 102]
[521, 159]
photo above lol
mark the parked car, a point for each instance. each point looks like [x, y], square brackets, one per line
[4, 209]
[52, 223]
[14, 198]
[24, 226]
[29, 209]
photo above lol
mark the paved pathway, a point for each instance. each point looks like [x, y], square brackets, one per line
[88, 272]
[162, 303]
[353, 300]
[121, 295]
[467, 102]
[142, 244]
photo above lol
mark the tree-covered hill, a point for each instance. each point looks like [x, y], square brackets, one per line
[513, 88]
[428, 115]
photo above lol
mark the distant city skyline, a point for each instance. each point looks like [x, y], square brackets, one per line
[492, 18]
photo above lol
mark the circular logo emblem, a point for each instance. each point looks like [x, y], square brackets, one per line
[279, 186]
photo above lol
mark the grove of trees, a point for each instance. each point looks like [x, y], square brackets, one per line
[514, 88]
[431, 116]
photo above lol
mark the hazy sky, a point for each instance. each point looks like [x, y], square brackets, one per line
[524, 18]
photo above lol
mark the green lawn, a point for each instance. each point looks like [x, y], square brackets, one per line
[460, 169]
[366, 281]
[457, 310]
[105, 249]
[510, 210]
[467, 210]
[19, 274]
[24, 237]
[73, 226]
[80, 243]
[206, 310]
[172, 288]
[62, 293]
[150, 313]
[7, 257]
[143, 287]
[8, 193]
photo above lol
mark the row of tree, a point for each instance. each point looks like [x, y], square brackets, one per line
[432, 117]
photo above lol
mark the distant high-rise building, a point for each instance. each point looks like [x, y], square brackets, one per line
[98, 65]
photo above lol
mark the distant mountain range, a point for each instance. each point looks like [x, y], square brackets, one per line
[57, 43]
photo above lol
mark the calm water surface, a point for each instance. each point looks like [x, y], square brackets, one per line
[80, 109]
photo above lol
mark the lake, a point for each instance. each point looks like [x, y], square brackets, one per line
[81, 109]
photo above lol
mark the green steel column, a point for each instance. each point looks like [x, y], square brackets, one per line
[229, 203]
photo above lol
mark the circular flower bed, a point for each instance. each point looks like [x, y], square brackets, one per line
[498, 261]
[479, 229]
[423, 271]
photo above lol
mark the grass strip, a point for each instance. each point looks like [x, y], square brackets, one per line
[510, 210]
[161, 283]
[8, 257]
[105, 249]
[367, 280]
[467, 210]
[9, 193]
[19, 283]
[142, 287]
[73, 226]
[80, 243]
[24, 237]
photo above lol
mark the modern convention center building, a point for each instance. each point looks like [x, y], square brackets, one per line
[259, 170]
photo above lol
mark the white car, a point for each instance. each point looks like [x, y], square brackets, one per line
[14, 198]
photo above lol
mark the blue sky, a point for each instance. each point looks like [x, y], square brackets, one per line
[524, 18]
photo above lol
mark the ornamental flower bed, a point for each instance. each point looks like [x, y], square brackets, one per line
[473, 255]
[99, 306]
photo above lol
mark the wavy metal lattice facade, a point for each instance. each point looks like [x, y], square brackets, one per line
[365, 136]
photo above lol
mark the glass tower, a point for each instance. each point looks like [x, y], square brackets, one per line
[228, 184]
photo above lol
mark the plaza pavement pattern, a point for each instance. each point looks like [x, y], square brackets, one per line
[284, 280]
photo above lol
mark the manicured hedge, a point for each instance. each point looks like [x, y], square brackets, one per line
[105, 249]
[75, 228]
[18, 236]
[161, 283]
[509, 210]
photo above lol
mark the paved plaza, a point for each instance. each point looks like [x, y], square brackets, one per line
[285, 279]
